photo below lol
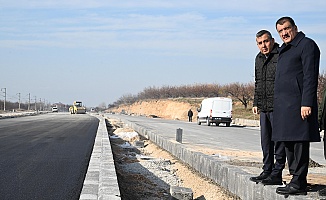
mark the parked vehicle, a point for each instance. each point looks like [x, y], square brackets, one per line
[215, 110]
[54, 109]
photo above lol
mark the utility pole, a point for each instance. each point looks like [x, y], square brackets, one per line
[35, 103]
[29, 101]
[5, 95]
[18, 101]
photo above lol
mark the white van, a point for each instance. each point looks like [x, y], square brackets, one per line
[55, 109]
[215, 110]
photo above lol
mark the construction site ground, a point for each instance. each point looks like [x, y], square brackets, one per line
[202, 187]
[148, 172]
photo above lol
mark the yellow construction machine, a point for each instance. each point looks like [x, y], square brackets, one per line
[77, 108]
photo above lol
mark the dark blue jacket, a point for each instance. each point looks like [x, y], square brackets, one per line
[296, 82]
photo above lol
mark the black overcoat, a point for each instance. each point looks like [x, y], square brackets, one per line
[296, 81]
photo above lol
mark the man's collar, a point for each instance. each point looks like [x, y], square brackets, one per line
[300, 35]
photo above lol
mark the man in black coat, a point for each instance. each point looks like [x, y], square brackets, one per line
[295, 101]
[265, 67]
[190, 114]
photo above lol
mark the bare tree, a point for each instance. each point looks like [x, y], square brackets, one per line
[321, 85]
[102, 106]
[126, 99]
[244, 92]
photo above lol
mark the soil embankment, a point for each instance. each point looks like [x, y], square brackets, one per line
[177, 109]
[167, 109]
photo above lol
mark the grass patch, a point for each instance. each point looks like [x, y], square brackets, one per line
[240, 112]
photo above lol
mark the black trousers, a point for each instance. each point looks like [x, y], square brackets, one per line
[297, 154]
[270, 148]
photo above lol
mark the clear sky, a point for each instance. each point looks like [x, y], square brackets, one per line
[96, 51]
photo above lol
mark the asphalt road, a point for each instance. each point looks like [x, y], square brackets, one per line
[213, 137]
[45, 156]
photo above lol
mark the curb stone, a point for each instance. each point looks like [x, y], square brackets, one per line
[101, 180]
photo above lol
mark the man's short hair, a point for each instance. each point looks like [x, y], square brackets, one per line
[263, 32]
[282, 20]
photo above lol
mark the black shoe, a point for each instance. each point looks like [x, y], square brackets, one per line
[261, 177]
[290, 190]
[272, 180]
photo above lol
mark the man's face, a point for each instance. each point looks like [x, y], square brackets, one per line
[287, 32]
[265, 44]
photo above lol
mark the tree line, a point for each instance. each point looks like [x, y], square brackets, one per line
[243, 92]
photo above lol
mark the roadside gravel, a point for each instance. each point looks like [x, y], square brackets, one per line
[148, 172]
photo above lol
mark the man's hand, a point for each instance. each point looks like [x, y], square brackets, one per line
[255, 110]
[305, 112]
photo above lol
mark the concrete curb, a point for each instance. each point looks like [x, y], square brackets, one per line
[232, 178]
[101, 179]
[246, 122]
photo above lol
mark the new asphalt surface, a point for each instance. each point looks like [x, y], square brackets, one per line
[45, 156]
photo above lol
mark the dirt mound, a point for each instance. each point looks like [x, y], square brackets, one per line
[167, 109]
[127, 134]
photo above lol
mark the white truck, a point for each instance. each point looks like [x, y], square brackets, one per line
[215, 110]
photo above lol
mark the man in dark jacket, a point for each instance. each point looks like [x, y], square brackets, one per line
[190, 114]
[265, 67]
[295, 101]
[322, 118]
